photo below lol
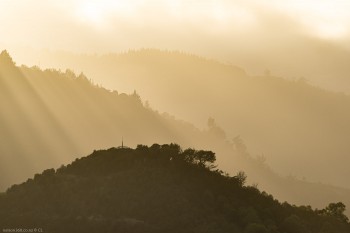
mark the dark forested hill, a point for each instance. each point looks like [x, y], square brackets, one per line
[155, 189]
[49, 117]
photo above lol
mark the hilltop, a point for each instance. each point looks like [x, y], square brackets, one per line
[161, 188]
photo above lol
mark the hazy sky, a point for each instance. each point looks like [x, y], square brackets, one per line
[83, 25]
[250, 33]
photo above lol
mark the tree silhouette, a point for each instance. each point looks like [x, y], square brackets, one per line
[336, 210]
[6, 59]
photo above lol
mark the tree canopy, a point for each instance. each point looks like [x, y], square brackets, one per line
[158, 188]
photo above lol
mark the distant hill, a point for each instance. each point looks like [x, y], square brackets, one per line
[302, 130]
[155, 189]
[50, 117]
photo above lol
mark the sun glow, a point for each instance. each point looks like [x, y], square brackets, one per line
[91, 13]
[100, 13]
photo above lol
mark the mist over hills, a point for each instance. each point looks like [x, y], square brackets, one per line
[50, 117]
[262, 84]
[300, 129]
[160, 188]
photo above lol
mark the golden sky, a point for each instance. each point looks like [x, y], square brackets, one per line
[65, 24]
[293, 39]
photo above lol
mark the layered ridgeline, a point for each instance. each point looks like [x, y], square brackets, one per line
[155, 189]
[301, 130]
[49, 117]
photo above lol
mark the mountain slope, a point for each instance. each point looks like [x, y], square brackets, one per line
[50, 117]
[49, 114]
[154, 189]
[301, 130]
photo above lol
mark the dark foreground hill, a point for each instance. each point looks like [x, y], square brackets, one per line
[155, 189]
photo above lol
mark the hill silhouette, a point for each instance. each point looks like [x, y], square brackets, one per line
[294, 124]
[50, 117]
[160, 188]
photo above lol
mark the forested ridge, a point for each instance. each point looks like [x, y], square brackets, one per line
[50, 117]
[160, 188]
[293, 123]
